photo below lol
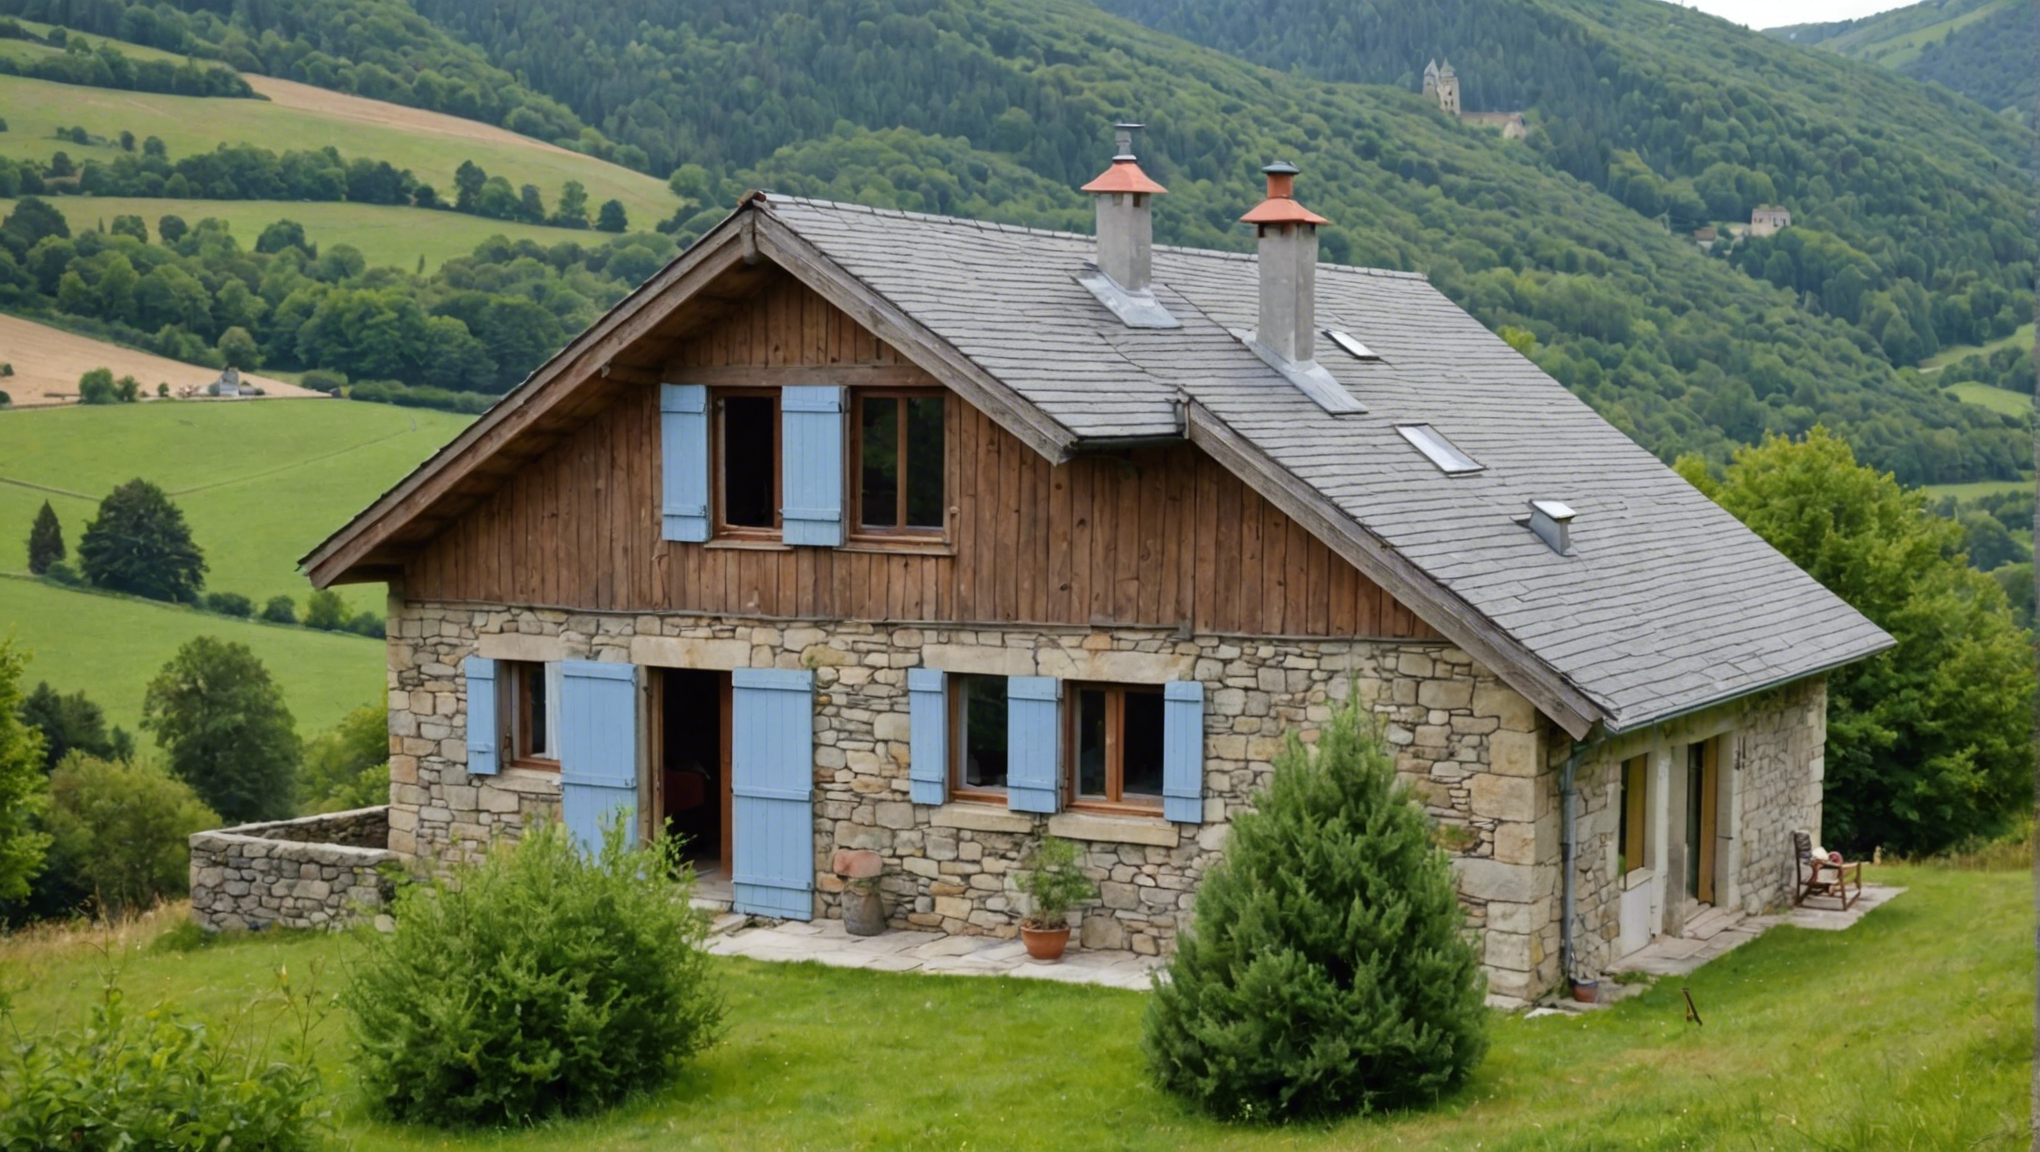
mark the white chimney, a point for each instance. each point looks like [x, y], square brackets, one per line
[1289, 247]
[1124, 279]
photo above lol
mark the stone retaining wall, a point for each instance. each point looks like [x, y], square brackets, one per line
[316, 872]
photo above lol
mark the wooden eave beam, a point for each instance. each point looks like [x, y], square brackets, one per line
[548, 398]
[1461, 623]
[1028, 423]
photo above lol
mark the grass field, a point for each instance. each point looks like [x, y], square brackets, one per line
[108, 647]
[1978, 488]
[1912, 1029]
[385, 234]
[2023, 337]
[431, 145]
[1999, 400]
[260, 482]
[24, 51]
[48, 361]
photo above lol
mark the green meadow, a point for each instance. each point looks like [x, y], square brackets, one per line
[2000, 400]
[109, 646]
[2023, 337]
[261, 482]
[388, 236]
[1912, 1029]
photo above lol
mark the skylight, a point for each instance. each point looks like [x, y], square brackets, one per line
[1352, 344]
[1438, 450]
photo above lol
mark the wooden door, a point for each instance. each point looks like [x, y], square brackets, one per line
[1703, 794]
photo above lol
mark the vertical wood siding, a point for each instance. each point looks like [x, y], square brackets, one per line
[1154, 536]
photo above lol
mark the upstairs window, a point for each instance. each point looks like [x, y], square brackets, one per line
[747, 462]
[899, 462]
[1114, 750]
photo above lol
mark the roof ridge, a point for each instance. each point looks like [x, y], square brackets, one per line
[1053, 233]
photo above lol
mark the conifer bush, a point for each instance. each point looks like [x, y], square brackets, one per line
[1325, 970]
[538, 983]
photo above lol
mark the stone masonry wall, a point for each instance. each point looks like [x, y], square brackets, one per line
[1471, 748]
[1772, 762]
[317, 872]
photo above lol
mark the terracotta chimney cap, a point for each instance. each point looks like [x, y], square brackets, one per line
[1281, 207]
[1124, 176]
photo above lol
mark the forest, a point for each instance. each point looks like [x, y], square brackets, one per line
[194, 291]
[1570, 239]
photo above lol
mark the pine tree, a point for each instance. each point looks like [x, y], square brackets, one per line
[1325, 970]
[139, 543]
[45, 540]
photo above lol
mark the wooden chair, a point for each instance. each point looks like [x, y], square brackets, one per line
[1818, 876]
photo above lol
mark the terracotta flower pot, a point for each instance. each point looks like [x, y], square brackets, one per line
[1586, 991]
[1045, 943]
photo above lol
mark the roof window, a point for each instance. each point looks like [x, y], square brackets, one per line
[1352, 344]
[1440, 451]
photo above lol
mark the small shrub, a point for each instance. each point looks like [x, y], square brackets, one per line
[280, 610]
[229, 604]
[324, 380]
[536, 983]
[120, 832]
[1325, 970]
[1052, 877]
[6, 368]
[367, 624]
[325, 610]
[158, 1080]
[62, 573]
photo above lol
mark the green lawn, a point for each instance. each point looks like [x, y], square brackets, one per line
[1911, 1030]
[261, 482]
[387, 236]
[23, 50]
[2000, 400]
[109, 647]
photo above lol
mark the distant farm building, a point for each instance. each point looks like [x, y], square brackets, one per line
[1768, 219]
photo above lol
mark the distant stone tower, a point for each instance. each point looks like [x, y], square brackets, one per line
[1431, 79]
[1448, 89]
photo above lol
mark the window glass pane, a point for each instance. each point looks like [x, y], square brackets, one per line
[924, 462]
[540, 740]
[983, 739]
[1141, 746]
[749, 461]
[1090, 705]
[879, 453]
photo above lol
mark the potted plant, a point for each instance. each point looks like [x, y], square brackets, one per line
[1053, 882]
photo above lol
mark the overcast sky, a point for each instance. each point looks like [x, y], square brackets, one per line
[1773, 13]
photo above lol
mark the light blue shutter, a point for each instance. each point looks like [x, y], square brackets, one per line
[772, 788]
[811, 448]
[482, 728]
[1033, 744]
[683, 461]
[928, 756]
[1183, 751]
[598, 743]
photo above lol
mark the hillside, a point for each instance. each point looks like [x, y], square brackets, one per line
[1984, 49]
[1684, 352]
[48, 361]
[259, 483]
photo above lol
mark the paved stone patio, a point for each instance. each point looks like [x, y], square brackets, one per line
[825, 942]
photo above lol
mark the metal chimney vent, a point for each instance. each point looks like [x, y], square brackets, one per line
[1552, 521]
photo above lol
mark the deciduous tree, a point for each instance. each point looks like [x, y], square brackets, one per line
[139, 543]
[1929, 744]
[228, 733]
[24, 789]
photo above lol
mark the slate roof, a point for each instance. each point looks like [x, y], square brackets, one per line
[1665, 604]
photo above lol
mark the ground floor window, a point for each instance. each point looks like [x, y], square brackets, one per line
[978, 737]
[1114, 746]
[530, 712]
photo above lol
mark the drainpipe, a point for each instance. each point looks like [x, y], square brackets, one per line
[1567, 833]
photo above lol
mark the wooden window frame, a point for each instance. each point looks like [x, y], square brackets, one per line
[722, 529]
[514, 707]
[903, 534]
[1114, 801]
[1632, 844]
[958, 733]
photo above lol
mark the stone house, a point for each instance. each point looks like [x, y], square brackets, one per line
[868, 529]
[1769, 220]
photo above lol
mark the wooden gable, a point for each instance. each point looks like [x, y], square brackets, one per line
[1161, 536]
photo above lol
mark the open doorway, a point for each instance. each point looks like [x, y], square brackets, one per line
[693, 759]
